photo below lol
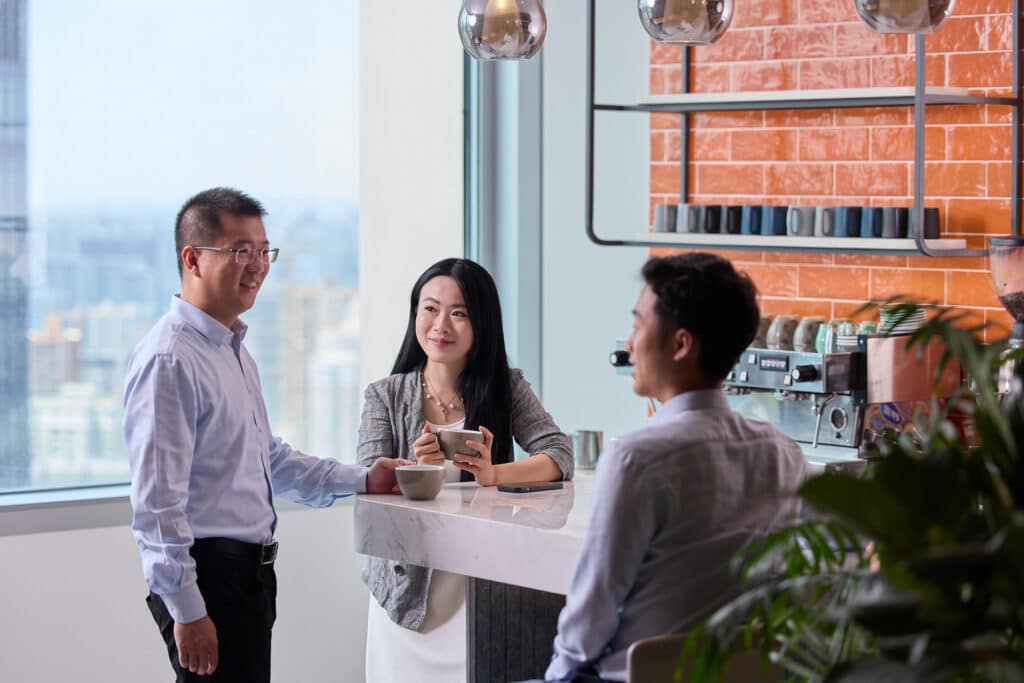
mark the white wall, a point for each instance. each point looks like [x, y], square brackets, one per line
[410, 198]
[71, 602]
[73, 605]
[589, 291]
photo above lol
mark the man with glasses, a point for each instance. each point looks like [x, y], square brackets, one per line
[205, 465]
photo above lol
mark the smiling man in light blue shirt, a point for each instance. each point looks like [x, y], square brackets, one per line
[205, 464]
[675, 500]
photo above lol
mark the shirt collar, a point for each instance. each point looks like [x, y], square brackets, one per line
[205, 324]
[701, 399]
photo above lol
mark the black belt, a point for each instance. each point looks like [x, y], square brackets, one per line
[259, 553]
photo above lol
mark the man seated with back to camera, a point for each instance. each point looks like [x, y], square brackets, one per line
[676, 499]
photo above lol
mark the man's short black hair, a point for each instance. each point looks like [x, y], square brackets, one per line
[198, 222]
[704, 293]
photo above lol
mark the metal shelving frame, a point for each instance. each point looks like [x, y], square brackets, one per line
[919, 101]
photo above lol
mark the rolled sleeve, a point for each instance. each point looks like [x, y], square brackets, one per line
[535, 430]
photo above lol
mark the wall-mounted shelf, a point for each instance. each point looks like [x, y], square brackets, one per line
[836, 245]
[917, 97]
[825, 98]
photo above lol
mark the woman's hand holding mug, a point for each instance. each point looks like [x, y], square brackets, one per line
[426, 448]
[479, 465]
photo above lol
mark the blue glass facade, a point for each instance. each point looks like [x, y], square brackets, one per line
[14, 447]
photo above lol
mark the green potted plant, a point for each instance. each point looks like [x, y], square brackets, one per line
[911, 571]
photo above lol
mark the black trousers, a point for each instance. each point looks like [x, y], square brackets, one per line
[240, 595]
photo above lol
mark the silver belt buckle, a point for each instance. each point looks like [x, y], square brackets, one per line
[268, 553]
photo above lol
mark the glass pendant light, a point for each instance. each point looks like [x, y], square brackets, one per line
[690, 22]
[903, 16]
[502, 29]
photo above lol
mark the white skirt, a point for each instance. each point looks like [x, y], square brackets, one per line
[434, 654]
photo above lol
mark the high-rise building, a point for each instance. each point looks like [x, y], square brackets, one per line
[14, 447]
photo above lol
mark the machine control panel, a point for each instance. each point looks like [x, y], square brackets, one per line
[794, 371]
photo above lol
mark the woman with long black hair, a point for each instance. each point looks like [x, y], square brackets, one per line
[452, 372]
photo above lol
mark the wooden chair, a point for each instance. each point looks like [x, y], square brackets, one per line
[653, 660]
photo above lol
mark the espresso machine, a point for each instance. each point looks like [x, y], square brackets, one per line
[1006, 260]
[836, 405]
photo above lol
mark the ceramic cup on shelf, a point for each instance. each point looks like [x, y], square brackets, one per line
[867, 327]
[712, 222]
[750, 219]
[773, 220]
[800, 221]
[847, 221]
[689, 218]
[871, 221]
[780, 333]
[732, 220]
[761, 337]
[823, 338]
[824, 221]
[806, 334]
[894, 222]
[665, 218]
[931, 223]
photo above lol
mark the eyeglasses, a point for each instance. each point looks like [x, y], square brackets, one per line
[246, 255]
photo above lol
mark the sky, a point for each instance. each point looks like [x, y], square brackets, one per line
[156, 99]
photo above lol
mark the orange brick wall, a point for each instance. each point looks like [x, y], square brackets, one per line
[851, 156]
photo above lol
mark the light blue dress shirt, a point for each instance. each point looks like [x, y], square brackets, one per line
[672, 504]
[204, 462]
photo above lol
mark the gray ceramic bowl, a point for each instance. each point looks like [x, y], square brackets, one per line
[420, 482]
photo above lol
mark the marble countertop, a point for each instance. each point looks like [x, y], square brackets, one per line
[524, 539]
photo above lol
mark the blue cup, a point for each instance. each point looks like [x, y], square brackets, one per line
[773, 220]
[750, 220]
[847, 221]
[871, 221]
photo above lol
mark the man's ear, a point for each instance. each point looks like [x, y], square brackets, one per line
[190, 260]
[684, 344]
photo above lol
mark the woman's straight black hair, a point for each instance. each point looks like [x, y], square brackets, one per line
[484, 383]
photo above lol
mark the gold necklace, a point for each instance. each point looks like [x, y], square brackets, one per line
[430, 393]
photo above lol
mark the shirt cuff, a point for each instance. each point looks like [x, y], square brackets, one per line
[185, 606]
[361, 480]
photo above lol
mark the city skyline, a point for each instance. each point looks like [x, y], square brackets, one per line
[112, 116]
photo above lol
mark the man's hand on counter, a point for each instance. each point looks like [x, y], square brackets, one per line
[381, 477]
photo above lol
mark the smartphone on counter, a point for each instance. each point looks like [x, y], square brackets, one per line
[530, 487]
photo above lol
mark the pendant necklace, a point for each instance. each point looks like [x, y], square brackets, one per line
[431, 394]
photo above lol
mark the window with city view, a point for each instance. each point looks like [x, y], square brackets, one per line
[112, 114]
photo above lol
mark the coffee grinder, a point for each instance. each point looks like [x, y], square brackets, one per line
[1006, 259]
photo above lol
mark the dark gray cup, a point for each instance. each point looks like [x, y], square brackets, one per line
[665, 218]
[712, 218]
[894, 221]
[931, 224]
[732, 219]
[773, 220]
[750, 220]
[871, 221]
[847, 221]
